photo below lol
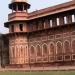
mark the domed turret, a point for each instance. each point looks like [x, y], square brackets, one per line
[18, 29]
[19, 5]
[19, 0]
[19, 10]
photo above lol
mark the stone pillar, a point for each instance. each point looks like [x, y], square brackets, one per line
[54, 22]
[25, 27]
[12, 9]
[16, 7]
[23, 8]
[61, 20]
[69, 19]
[47, 22]
[40, 25]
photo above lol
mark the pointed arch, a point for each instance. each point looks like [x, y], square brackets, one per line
[67, 46]
[51, 48]
[12, 51]
[73, 46]
[32, 51]
[20, 51]
[17, 53]
[39, 50]
[26, 50]
[59, 48]
[45, 49]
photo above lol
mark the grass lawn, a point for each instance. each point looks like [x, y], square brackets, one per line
[39, 73]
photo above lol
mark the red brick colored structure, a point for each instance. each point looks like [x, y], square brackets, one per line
[41, 38]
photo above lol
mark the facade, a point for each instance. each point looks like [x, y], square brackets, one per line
[41, 38]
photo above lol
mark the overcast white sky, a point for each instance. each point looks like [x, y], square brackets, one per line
[35, 5]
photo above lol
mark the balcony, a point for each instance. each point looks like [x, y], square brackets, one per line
[17, 16]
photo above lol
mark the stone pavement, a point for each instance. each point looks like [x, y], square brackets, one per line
[58, 68]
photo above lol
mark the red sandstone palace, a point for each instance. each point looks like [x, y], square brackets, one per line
[41, 38]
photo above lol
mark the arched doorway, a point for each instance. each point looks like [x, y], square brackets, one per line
[45, 50]
[39, 50]
[59, 48]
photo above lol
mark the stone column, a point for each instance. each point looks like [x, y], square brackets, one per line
[47, 22]
[16, 7]
[61, 20]
[54, 22]
[69, 19]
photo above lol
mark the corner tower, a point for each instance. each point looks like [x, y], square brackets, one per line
[18, 28]
[19, 10]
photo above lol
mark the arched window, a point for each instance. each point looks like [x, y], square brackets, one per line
[32, 51]
[21, 27]
[12, 53]
[52, 49]
[73, 46]
[59, 48]
[67, 47]
[39, 51]
[26, 50]
[45, 50]
[21, 51]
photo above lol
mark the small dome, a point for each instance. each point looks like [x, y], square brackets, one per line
[22, 4]
[19, 0]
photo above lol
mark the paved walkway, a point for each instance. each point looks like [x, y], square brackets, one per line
[60, 68]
